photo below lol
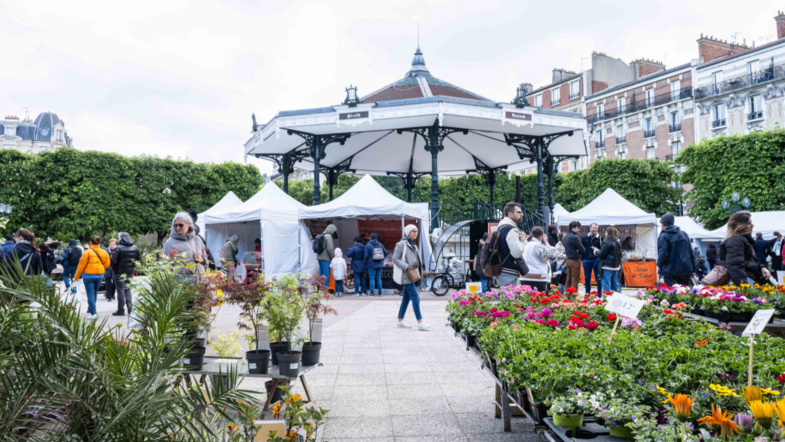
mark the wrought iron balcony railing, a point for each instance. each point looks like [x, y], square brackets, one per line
[648, 133]
[669, 157]
[556, 102]
[574, 96]
[642, 104]
[675, 127]
[600, 144]
[741, 82]
[718, 123]
[755, 115]
[621, 140]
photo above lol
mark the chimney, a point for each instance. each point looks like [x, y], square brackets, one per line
[527, 87]
[711, 48]
[11, 117]
[780, 19]
[644, 67]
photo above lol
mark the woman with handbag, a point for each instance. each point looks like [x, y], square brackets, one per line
[406, 259]
[486, 237]
[737, 255]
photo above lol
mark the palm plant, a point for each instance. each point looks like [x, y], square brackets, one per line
[62, 378]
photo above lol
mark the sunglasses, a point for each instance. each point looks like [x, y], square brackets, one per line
[177, 226]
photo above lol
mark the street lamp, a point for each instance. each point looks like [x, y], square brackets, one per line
[746, 202]
[5, 209]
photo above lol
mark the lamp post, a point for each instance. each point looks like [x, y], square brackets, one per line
[5, 213]
[746, 202]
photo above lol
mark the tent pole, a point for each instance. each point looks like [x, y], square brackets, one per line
[540, 192]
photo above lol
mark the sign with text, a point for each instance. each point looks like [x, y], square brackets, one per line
[492, 227]
[390, 230]
[626, 306]
[473, 287]
[758, 323]
[353, 115]
[640, 274]
[518, 116]
[780, 276]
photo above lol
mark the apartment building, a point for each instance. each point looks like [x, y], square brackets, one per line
[46, 132]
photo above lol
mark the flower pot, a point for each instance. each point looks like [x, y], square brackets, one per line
[258, 361]
[539, 413]
[470, 341]
[289, 363]
[277, 394]
[194, 359]
[278, 347]
[622, 432]
[197, 343]
[571, 421]
[311, 353]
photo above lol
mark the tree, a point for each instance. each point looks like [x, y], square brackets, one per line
[752, 165]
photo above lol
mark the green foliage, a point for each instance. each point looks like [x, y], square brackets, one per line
[69, 193]
[753, 165]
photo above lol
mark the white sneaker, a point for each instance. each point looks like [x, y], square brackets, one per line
[355, 295]
[90, 317]
[402, 324]
[423, 326]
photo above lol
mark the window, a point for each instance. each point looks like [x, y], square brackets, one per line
[574, 165]
[10, 132]
[650, 153]
[754, 107]
[9, 146]
[675, 119]
[538, 100]
[718, 112]
[620, 131]
[716, 78]
[59, 137]
[675, 89]
[648, 124]
[599, 137]
[555, 96]
[622, 155]
[649, 97]
[753, 67]
[620, 103]
[676, 146]
[575, 90]
[600, 109]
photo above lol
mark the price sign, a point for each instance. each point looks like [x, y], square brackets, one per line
[780, 276]
[626, 306]
[758, 323]
[473, 287]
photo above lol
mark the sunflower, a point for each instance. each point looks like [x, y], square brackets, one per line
[752, 394]
[722, 420]
[682, 404]
[780, 405]
[763, 412]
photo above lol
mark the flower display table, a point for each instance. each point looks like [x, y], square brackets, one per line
[589, 430]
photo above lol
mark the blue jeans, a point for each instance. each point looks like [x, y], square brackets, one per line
[359, 283]
[324, 270]
[374, 276]
[588, 266]
[68, 276]
[339, 286]
[410, 293]
[91, 286]
[484, 282]
[611, 281]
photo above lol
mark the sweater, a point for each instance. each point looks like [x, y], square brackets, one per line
[573, 247]
[538, 257]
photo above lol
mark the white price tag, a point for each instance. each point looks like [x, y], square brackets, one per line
[240, 273]
[293, 366]
[626, 306]
[758, 323]
[780, 276]
[252, 366]
[473, 287]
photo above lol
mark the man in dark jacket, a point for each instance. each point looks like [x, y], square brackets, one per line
[574, 250]
[711, 255]
[357, 255]
[676, 259]
[71, 259]
[124, 259]
[24, 252]
[591, 244]
[373, 252]
[553, 235]
[761, 247]
[9, 244]
[775, 251]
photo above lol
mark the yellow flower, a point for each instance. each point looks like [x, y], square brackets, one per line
[767, 391]
[763, 412]
[752, 394]
[667, 395]
[723, 390]
[780, 405]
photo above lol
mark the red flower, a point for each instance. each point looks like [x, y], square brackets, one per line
[612, 317]
[668, 312]
[552, 323]
[571, 290]
[781, 378]
[592, 325]
[701, 343]
[576, 321]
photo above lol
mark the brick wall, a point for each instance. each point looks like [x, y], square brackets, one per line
[688, 131]
[661, 134]
[780, 19]
[710, 48]
[597, 86]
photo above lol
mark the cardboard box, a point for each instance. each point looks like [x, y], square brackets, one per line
[265, 427]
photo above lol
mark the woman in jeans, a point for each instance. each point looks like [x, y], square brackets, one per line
[610, 261]
[92, 267]
[411, 260]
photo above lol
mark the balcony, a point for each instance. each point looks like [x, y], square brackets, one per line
[741, 82]
[648, 133]
[643, 104]
[621, 140]
[675, 127]
[600, 144]
[669, 157]
[575, 96]
[555, 102]
[754, 115]
[718, 123]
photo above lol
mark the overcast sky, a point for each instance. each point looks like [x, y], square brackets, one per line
[181, 78]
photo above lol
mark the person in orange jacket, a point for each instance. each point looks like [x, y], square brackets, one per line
[92, 267]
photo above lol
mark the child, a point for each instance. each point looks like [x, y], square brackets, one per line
[338, 264]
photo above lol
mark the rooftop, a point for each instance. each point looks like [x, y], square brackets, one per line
[638, 81]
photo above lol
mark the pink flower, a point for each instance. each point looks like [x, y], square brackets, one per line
[465, 302]
[552, 323]
[531, 316]
[539, 321]
[592, 325]
[494, 324]
[546, 313]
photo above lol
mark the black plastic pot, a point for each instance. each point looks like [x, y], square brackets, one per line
[539, 413]
[276, 395]
[197, 343]
[470, 341]
[311, 353]
[194, 359]
[278, 347]
[289, 363]
[258, 361]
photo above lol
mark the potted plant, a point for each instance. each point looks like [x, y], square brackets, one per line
[251, 297]
[298, 417]
[206, 295]
[283, 310]
[568, 410]
[314, 309]
[618, 412]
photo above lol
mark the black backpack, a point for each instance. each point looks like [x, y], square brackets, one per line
[74, 255]
[318, 244]
[491, 257]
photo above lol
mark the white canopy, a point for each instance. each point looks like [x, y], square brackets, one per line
[692, 228]
[229, 201]
[272, 216]
[559, 210]
[765, 222]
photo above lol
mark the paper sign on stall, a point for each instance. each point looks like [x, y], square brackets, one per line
[780, 276]
[473, 287]
[758, 322]
[626, 306]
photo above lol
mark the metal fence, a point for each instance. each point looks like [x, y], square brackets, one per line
[741, 82]
[643, 104]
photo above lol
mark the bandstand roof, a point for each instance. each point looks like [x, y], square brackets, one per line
[379, 142]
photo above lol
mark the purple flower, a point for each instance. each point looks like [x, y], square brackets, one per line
[659, 427]
[546, 313]
[724, 376]
[673, 291]
[758, 301]
[737, 299]
[663, 290]
[695, 291]
[455, 295]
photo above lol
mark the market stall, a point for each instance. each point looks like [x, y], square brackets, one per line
[699, 236]
[367, 207]
[272, 216]
[765, 222]
[228, 202]
[634, 225]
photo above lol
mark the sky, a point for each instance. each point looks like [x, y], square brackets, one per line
[181, 78]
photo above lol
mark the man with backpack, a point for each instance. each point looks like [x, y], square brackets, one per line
[374, 262]
[324, 248]
[124, 259]
[71, 258]
[357, 255]
[502, 256]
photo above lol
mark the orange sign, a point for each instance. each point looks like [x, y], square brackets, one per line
[583, 277]
[640, 274]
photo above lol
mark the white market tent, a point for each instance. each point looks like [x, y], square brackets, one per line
[612, 209]
[228, 202]
[765, 222]
[272, 216]
[696, 232]
[559, 210]
[367, 200]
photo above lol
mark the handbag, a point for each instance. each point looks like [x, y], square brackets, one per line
[718, 276]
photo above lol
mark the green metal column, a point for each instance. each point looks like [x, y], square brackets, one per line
[540, 191]
[433, 147]
[286, 161]
[316, 152]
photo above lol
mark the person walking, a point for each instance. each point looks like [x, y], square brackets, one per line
[48, 260]
[737, 254]
[357, 255]
[512, 243]
[25, 252]
[407, 256]
[229, 252]
[591, 264]
[123, 263]
[538, 256]
[573, 249]
[92, 267]
[675, 259]
[9, 244]
[610, 260]
[185, 246]
[711, 255]
[109, 282]
[775, 251]
[374, 262]
[560, 277]
[761, 247]
[338, 266]
[327, 253]
[553, 235]
[71, 258]
[208, 254]
[478, 261]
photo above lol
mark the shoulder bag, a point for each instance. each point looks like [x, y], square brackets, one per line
[718, 276]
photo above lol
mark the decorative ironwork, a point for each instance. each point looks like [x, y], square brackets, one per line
[352, 100]
[754, 115]
[317, 145]
[575, 95]
[648, 133]
[644, 104]
[451, 213]
[600, 144]
[253, 117]
[555, 102]
[621, 140]
[332, 173]
[675, 127]
[520, 98]
[718, 123]
[409, 180]
[744, 81]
